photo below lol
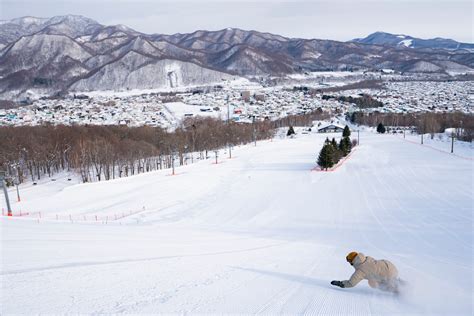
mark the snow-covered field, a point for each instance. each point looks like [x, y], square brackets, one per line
[256, 234]
[442, 142]
[180, 110]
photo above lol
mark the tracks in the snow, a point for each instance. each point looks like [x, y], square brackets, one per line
[100, 263]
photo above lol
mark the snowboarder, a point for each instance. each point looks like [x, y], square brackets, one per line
[381, 274]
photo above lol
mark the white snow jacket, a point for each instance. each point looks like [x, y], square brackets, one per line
[381, 274]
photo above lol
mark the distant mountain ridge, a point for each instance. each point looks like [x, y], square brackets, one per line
[75, 53]
[71, 25]
[397, 40]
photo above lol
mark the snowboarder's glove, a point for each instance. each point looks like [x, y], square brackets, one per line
[337, 283]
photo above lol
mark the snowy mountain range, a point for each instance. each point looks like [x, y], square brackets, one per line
[75, 53]
[400, 40]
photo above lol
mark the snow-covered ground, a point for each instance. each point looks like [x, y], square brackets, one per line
[259, 233]
[180, 110]
[442, 142]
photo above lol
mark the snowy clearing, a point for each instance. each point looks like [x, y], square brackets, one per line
[257, 234]
[180, 110]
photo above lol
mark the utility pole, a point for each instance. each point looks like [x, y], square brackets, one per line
[254, 131]
[185, 154]
[452, 142]
[172, 163]
[5, 192]
[17, 182]
[422, 139]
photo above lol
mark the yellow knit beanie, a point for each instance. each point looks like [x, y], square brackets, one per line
[351, 256]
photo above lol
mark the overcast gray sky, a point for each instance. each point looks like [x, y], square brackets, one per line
[336, 19]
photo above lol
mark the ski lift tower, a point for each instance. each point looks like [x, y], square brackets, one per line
[5, 192]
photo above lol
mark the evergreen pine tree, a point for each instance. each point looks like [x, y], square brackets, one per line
[337, 153]
[291, 131]
[380, 128]
[326, 157]
[341, 147]
[347, 144]
[346, 132]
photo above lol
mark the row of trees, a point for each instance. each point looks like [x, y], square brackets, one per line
[108, 152]
[332, 152]
[364, 101]
[301, 119]
[427, 122]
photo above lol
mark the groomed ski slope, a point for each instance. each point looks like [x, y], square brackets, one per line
[256, 234]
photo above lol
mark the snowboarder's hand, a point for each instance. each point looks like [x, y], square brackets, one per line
[337, 283]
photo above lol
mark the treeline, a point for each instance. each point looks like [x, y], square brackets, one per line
[365, 101]
[108, 152]
[364, 84]
[301, 119]
[426, 122]
[6, 104]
